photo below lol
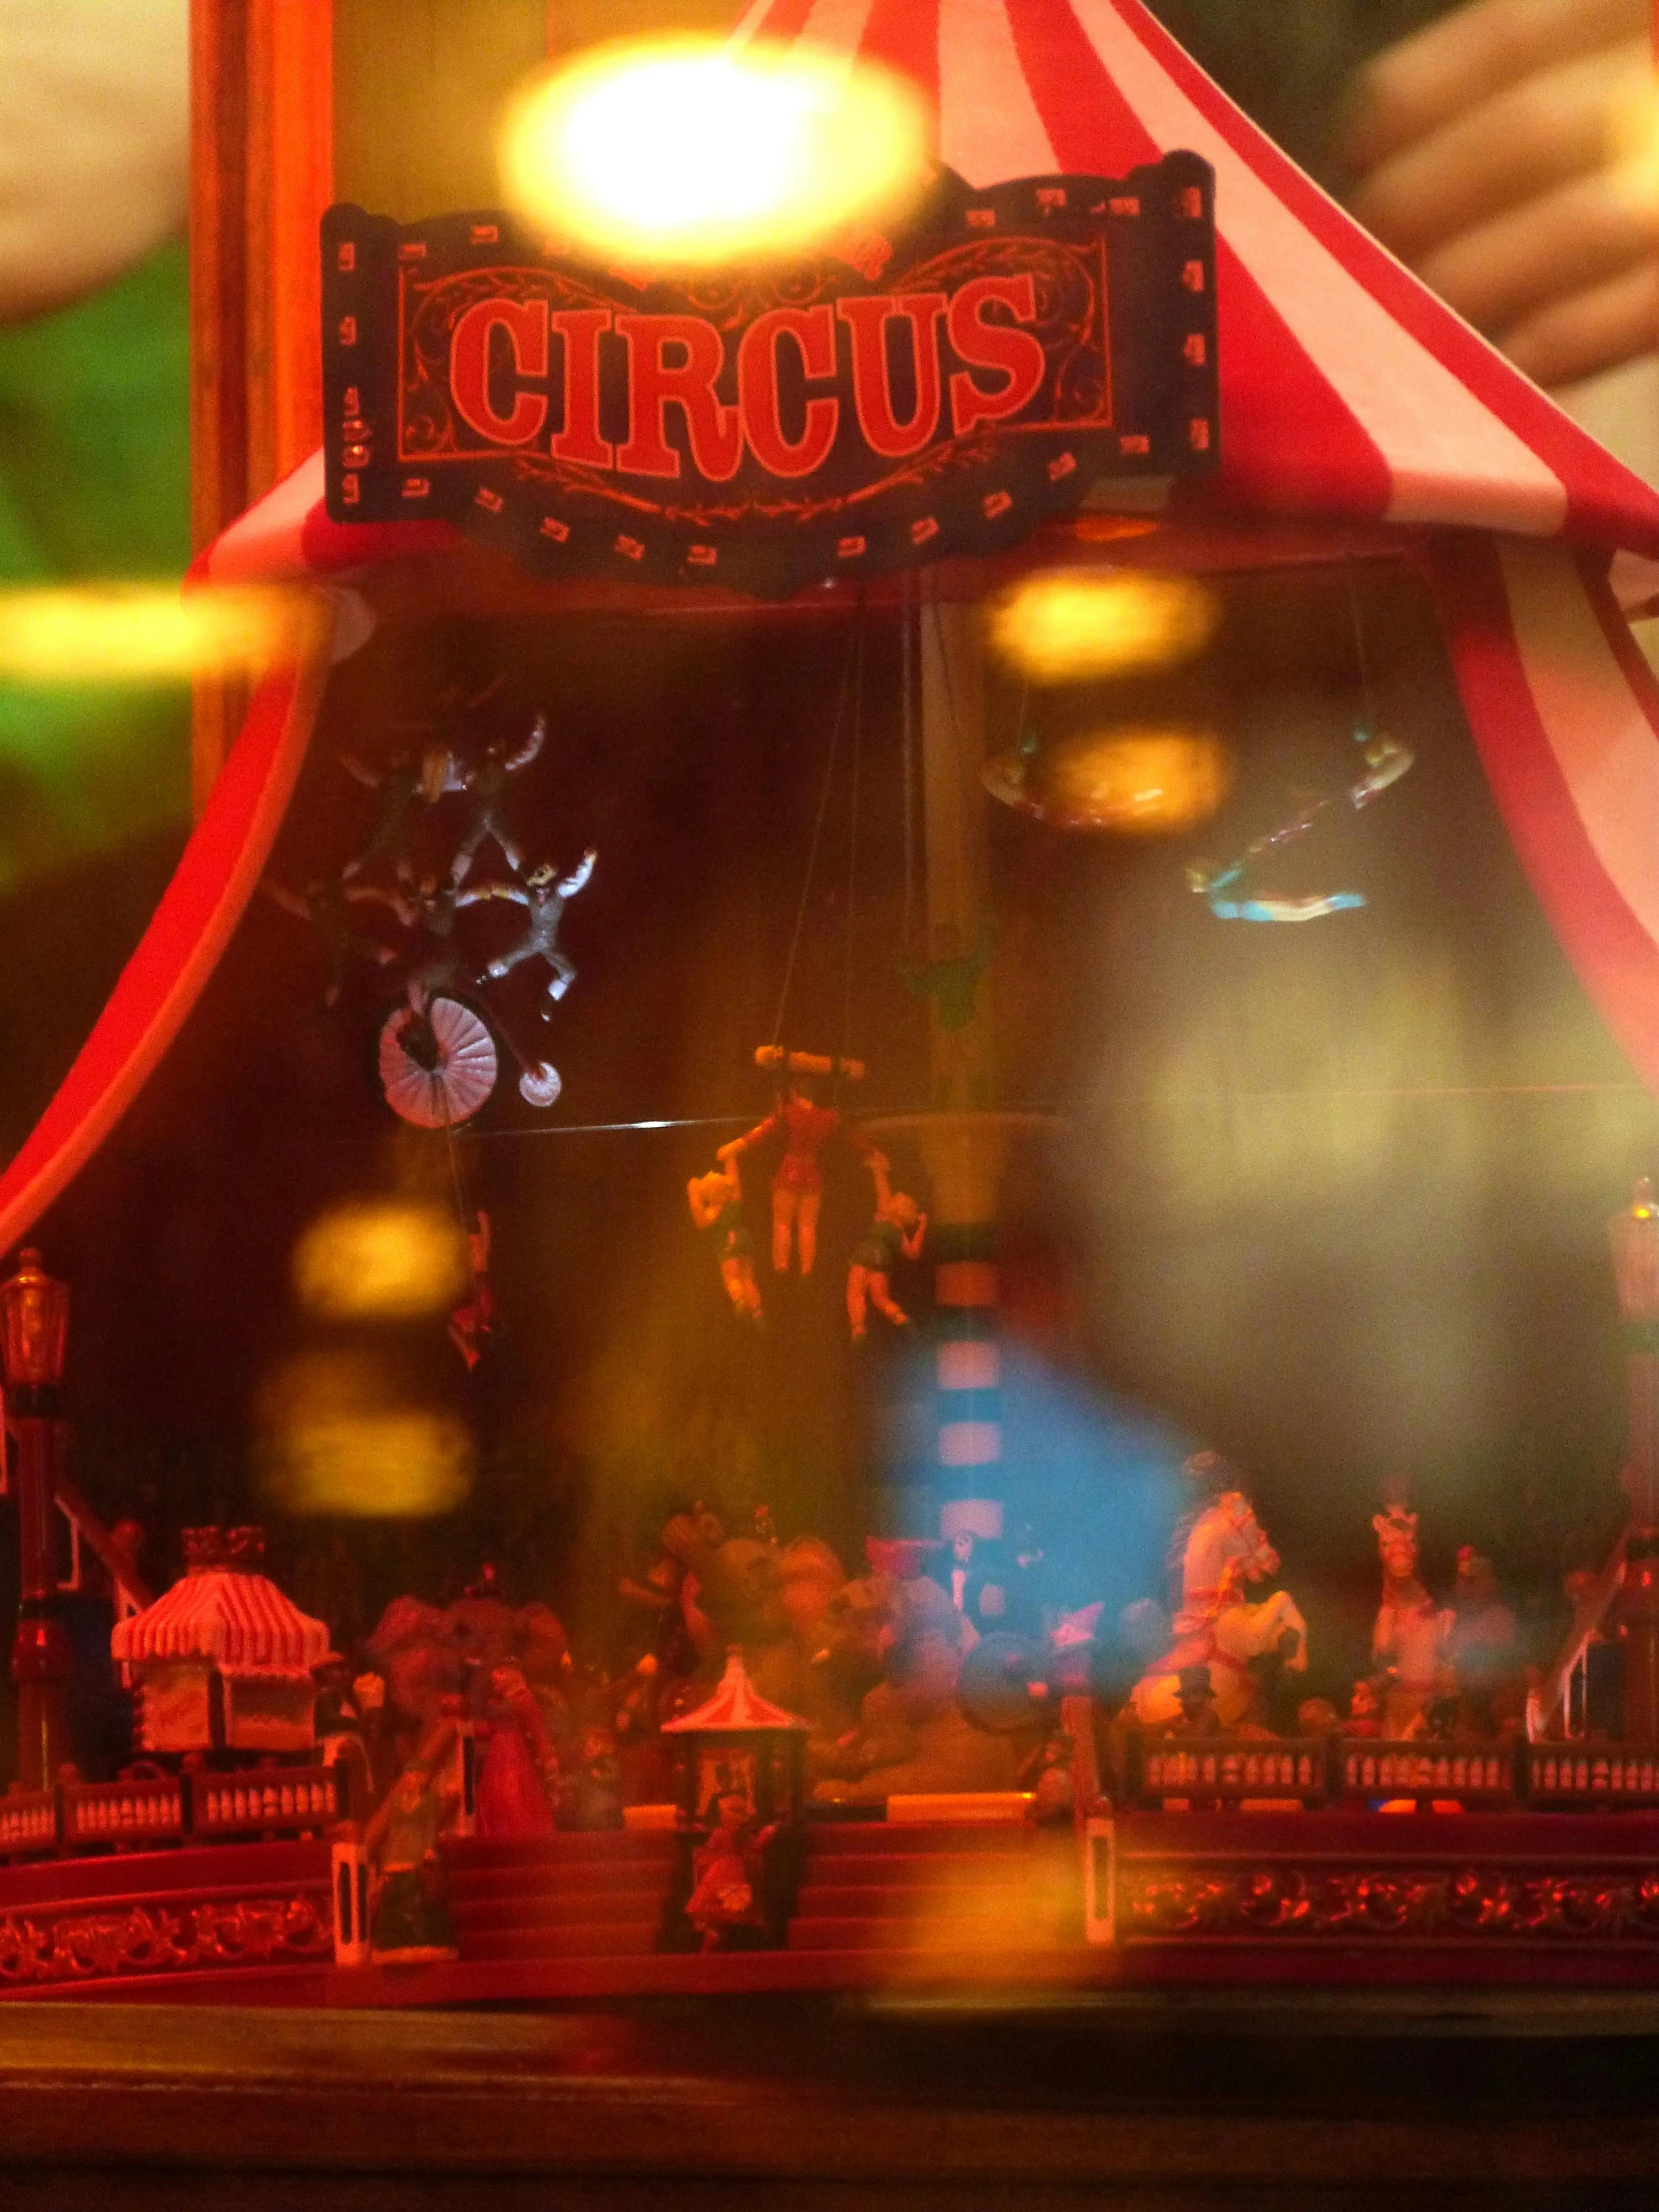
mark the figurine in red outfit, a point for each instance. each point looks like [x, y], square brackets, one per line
[518, 1782]
[727, 1872]
[806, 1127]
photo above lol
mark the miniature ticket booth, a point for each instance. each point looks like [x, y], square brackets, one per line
[223, 1661]
[739, 1743]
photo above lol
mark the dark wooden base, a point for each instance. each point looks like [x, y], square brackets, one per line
[1301, 2101]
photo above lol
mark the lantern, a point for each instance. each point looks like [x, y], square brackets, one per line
[34, 1331]
[34, 1326]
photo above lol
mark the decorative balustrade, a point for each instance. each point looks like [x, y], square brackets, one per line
[28, 1823]
[1208, 1772]
[1472, 1773]
[141, 1811]
[1228, 1770]
[1592, 1776]
[149, 1811]
[284, 1801]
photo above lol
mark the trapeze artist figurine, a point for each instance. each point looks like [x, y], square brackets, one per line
[544, 901]
[486, 786]
[325, 906]
[899, 1229]
[472, 1324]
[806, 1127]
[1227, 890]
[409, 779]
[715, 1202]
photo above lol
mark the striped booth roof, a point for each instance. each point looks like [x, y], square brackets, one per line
[1351, 397]
[239, 1623]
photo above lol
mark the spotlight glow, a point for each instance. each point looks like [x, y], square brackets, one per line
[380, 1260]
[1064, 627]
[1137, 782]
[687, 152]
[340, 1434]
[149, 632]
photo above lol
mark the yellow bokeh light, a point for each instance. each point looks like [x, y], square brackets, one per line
[1632, 147]
[149, 632]
[1061, 627]
[1138, 781]
[341, 1435]
[380, 1466]
[686, 153]
[380, 1260]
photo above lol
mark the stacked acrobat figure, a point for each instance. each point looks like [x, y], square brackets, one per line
[804, 1129]
[438, 1056]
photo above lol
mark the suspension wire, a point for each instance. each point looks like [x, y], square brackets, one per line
[908, 639]
[852, 648]
[1360, 654]
[853, 848]
[463, 1209]
[616, 1128]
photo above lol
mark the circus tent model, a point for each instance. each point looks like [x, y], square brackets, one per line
[1359, 421]
[1351, 402]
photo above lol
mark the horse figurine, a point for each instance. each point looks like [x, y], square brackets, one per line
[1217, 1626]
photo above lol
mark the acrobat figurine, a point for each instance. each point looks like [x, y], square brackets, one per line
[486, 786]
[716, 1201]
[325, 906]
[472, 1324]
[1228, 890]
[899, 1228]
[425, 904]
[806, 1127]
[409, 779]
[544, 901]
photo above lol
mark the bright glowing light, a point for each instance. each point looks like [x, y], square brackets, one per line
[686, 151]
[147, 633]
[1064, 627]
[380, 1260]
[341, 1436]
[380, 1466]
[1632, 145]
[1137, 782]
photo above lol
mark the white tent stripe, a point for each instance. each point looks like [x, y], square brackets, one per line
[1432, 431]
[989, 126]
[839, 27]
[750, 23]
[1597, 727]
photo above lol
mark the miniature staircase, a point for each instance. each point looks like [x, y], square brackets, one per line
[573, 1896]
[937, 1891]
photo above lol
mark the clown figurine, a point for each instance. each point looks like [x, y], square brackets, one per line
[898, 1230]
[716, 1201]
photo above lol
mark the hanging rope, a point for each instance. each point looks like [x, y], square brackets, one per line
[853, 853]
[854, 649]
[1360, 655]
[908, 639]
[463, 1208]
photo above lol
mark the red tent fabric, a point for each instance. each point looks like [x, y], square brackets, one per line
[1349, 392]
[737, 1708]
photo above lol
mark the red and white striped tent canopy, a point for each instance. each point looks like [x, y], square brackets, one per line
[239, 1623]
[1350, 394]
[736, 1709]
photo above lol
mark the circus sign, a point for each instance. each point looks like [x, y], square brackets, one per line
[935, 392]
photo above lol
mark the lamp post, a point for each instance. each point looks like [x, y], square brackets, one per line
[34, 1329]
[1635, 1240]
